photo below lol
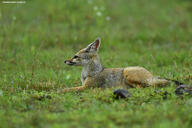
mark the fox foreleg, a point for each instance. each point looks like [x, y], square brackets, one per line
[76, 89]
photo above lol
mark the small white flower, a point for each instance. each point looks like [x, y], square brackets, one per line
[90, 1]
[99, 13]
[27, 86]
[95, 8]
[14, 17]
[108, 18]
[68, 77]
[22, 76]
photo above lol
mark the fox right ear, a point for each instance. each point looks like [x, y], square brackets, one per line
[94, 46]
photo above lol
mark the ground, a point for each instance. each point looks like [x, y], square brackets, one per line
[36, 38]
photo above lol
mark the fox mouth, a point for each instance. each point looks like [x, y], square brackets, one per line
[69, 62]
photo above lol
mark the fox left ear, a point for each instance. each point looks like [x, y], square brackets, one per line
[94, 46]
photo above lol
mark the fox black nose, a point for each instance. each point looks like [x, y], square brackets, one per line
[65, 61]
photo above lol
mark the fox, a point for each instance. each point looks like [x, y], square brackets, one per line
[95, 75]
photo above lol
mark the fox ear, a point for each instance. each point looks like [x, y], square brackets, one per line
[94, 46]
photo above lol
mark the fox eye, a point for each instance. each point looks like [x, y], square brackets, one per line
[75, 57]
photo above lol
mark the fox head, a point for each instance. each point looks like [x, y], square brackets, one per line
[86, 55]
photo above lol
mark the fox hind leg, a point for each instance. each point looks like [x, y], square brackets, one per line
[141, 76]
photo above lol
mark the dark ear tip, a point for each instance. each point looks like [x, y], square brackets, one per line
[98, 39]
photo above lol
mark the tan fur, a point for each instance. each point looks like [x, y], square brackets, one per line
[94, 75]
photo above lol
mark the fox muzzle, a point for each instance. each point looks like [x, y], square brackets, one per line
[69, 62]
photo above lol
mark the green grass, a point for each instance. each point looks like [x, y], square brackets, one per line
[36, 37]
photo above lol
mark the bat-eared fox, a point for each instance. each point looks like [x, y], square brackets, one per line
[95, 75]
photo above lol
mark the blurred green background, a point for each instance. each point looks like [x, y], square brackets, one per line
[37, 36]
